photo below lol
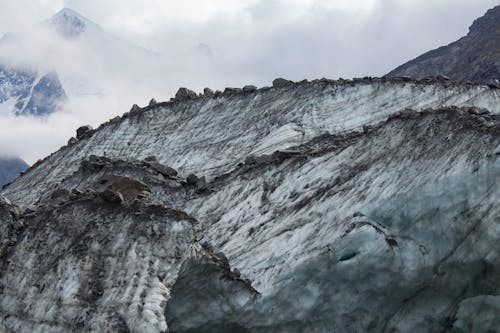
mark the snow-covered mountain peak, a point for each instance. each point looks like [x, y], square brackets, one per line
[70, 24]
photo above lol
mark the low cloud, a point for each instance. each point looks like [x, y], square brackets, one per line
[211, 43]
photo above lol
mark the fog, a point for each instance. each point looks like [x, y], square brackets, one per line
[144, 49]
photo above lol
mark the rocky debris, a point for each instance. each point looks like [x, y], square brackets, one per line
[83, 131]
[249, 88]
[111, 196]
[280, 83]
[208, 92]
[185, 94]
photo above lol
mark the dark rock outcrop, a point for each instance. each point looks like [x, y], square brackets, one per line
[472, 58]
[83, 131]
[280, 82]
[185, 94]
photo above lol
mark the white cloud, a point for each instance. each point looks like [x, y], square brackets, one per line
[251, 41]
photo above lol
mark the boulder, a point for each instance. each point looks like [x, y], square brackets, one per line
[201, 184]
[192, 179]
[72, 141]
[185, 94]
[280, 82]
[82, 130]
[152, 102]
[208, 92]
[163, 169]
[249, 88]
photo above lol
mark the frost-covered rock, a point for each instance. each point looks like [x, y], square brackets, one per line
[354, 206]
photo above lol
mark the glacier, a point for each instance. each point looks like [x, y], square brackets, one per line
[368, 205]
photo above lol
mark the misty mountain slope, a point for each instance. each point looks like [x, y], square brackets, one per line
[393, 228]
[11, 168]
[29, 92]
[72, 59]
[475, 57]
[211, 136]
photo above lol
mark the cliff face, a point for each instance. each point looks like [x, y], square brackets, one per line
[327, 206]
[474, 57]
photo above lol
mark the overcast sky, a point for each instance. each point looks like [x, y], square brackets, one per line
[242, 42]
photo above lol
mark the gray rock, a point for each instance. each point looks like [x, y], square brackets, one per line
[249, 88]
[229, 91]
[152, 102]
[280, 82]
[163, 169]
[150, 159]
[111, 196]
[192, 179]
[72, 141]
[208, 92]
[185, 94]
[135, 108]
[82, 131]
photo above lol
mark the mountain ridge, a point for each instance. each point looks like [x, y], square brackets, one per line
[473, 57]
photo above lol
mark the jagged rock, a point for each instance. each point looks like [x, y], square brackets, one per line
[135, 108]
[82, 131]
[72, 141]
[185, 94]
[152, 102]
[208, 92]
[280, 82]
[249, 88]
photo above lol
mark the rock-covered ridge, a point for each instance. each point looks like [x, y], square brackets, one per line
[390, 228]
[212, 135]
[471, 58]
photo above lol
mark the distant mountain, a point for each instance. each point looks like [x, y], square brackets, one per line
[26, 91]
[10, 168]
[31, 89]
[475, 57]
